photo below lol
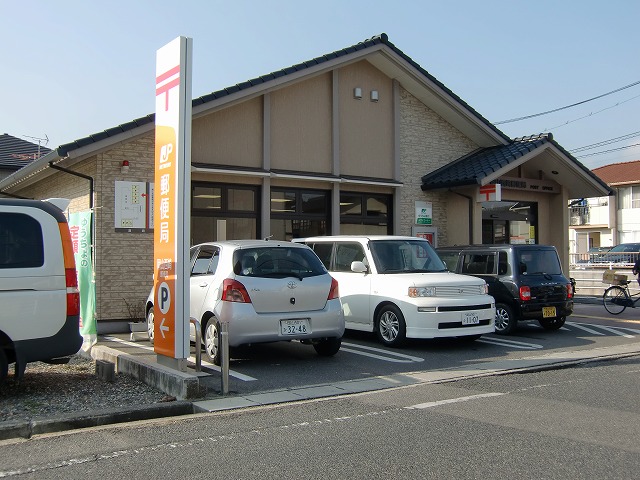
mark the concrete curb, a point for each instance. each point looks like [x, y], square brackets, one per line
[178, 384]
[26, 429]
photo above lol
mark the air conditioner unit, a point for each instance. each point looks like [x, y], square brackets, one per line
[576, 221]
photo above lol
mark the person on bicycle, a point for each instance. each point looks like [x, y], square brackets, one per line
[636, 269]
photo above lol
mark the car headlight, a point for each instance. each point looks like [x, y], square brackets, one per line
[416, 292]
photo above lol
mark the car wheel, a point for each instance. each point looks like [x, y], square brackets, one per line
[505, 320]
[150, 325]
[390, 326]
[327, 347]
[552, 323]
[4, 365]
[212, 340]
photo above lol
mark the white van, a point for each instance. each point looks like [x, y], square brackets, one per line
[39, 298]
[398, 287]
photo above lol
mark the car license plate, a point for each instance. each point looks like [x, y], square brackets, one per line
[548, 312]
[470, 318]
[297, 326]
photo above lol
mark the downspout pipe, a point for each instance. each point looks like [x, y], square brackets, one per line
[81, 175]
[86, 177]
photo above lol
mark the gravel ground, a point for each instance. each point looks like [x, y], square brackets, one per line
[50, 390]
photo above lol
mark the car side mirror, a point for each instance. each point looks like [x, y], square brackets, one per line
[358, 267]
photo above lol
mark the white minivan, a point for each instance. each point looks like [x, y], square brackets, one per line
[398, 287]
[39, 298]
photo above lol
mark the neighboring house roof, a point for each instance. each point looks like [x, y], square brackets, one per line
[16, 153]
[485, 165]
[619, 173]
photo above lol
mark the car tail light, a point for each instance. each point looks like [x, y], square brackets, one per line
[569, 291]
[71, 279]
[234, 291]
[525, 293]
[333, 292]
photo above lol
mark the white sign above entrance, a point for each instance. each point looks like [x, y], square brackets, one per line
[528, 184]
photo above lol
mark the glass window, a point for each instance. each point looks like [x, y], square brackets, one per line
[323, 251]
[21, 243]
[236, 205]
[241, 199]
[277, 262]
[283, 201]
[205, 229]
[401, 256]
[314, 203]
[206, 261]
[374, 219]
[376, 206]
[347, 253]
[299, 213]
[350, 204]
[207, 197]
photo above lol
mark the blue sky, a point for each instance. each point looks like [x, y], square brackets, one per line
[72, 68]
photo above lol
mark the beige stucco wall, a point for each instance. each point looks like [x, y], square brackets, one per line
[427, 142]
[300, 124]
[366, 127]
[230, 136]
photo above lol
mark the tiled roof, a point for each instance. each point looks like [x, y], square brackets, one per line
[378, 39]
[15, 153]
[472, 168]
[619, 173]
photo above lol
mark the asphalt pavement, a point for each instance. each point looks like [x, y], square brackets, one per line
[198, 405]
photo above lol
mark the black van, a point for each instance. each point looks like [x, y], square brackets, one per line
[526, 281]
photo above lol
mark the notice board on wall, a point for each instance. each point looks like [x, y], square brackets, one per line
[133, 207]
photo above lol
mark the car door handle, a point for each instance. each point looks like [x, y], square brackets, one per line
[204, 284]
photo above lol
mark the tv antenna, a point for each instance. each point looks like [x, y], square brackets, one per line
[40, 140]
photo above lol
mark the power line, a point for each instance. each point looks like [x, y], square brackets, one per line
[568, 106]
[608, 151]
[591, 114]
[606, 142]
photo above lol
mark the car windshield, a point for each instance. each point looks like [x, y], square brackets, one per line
[277, 262]
[405, 256]
[536, 262]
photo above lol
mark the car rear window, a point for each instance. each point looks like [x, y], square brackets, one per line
[532, 262]
[278, 262]
[21, 244]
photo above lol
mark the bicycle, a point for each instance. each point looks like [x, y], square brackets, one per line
[617, 298]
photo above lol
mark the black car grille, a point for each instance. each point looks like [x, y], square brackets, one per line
[445, 325]
[464, 308]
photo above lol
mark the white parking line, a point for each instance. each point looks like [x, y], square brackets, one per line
[403, 358]
[615, 332]
[586, 329]
[238, 375]
[503, 342]
[454, 400]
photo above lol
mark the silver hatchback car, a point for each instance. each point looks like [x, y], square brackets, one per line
[266, 290]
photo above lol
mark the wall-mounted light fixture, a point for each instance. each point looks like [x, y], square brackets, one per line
[357, 93]
[125, 166]
[374, 95]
